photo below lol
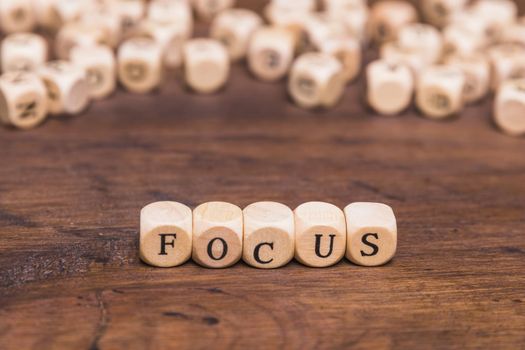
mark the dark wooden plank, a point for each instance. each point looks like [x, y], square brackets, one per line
[71, 191]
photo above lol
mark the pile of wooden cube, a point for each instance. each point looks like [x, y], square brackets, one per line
[443, 55]
[267, 235]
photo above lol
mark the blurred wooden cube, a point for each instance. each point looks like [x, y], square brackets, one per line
[269, 235]
[423, 39]
[23, 52]
[390, 87]
[348, 51]
[77, 34]
[16, 16]
[217, 234]
[476, 68]
[388, 17]
[24, 100]
[99, 64]
[208, 9]
[316, 81]
[509, 107]
[507, 63]
[206, 65]
[439, 12]
[67, 87]
[166, 230]
[139, 65]
[234, 28]
[439, 91]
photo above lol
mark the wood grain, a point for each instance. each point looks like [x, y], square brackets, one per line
[71, 191]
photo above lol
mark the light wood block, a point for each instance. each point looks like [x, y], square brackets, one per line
[217, 234]
[498, 14]
[67, 87]
[422, 38]
[459, 40]
[320, 27]
[270, 53]
[509, 107]
[139, 65]
[393, 52]
[24, 100]
[371, 233]
[70, 11]
[388, 17]
[23, 52]
[316, 81]
[130, 13]
[106, 22]
[77, 34]
[476, 69]
[354, 16]
[170, 36]
[348, 51]
[234, 28]
[320, 234]
[513, 34]
[507, 63]
[45, 15]
[269, 235]
[100, 66]
[16, 16]
[390, 87]
[439, 12]
[172, 13]
[206, 65]
[208, 9]
[165, 234]
[439, 91]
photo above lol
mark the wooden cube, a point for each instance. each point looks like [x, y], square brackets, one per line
[170, 36]
[217, 234]
[320, 234]
[459, 40]
[513, 34]
[439, 91]
[69, 11]
[316, 80]
[390, 87]
[99, 64]
[67, 87]
[172, 12]
[509, 107]
[129, 13]
[507, 63]
[77, 34]
[139, 65]
[165, 234]
[393, 52]
[348, 51]
[497, 14]
[371, 233]
[16, 16]
[388, 17]
[234, 28]
[476, 69]
[422, 38]
[23, 52]
[24, 100]
[105, 22]
[271, 53]
[269, 235]
[354, 18]
[320, 27]
[206, 65]
[207, 9]
[439, 12]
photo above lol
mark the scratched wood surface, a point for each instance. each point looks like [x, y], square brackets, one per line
[71, 191]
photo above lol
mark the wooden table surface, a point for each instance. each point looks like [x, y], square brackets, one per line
[71, 191]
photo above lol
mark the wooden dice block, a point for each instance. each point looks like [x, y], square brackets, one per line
[139, 65]
[513, 34]
[320, 27]
[371, 233]
[316, 80]
[269, 235]
[234, 28]
[99, 64]
[439, 91]
[172, 12]
[507, 63]
[217, 234]
[67, 87]
[24, 100]
[422, 38]
[439, 12]
[393, 52]
[105, 22]
[497, 14]
[270, 53]
[206, 65]
[459, 40]
[165, 234]
[16, 16]
[348, 51]
[207, 9]
[23, 52]
[390, 87]
[170, 36]
[476, 69]
[77, 34]
[388, 17]
[353, 16]
[320, 234]
[509, 107]
[129, 13]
